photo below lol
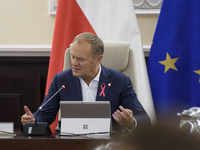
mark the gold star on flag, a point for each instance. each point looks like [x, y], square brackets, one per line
[169, 63]
[198, 72]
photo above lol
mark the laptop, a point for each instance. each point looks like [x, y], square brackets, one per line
[80, 117]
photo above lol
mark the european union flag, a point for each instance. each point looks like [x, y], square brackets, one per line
[174, 60]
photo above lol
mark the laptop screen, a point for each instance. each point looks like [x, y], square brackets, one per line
[79, 117]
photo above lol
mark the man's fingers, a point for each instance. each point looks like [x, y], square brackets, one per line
[119, 114]
[119, 117]
[121, 108]
[116, 119]
[28, 112]
[125, 112]
[124, 117]
[25, 118]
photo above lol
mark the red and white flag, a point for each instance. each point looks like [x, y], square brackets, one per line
[110, 20]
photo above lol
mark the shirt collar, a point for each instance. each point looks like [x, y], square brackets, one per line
[97, 76]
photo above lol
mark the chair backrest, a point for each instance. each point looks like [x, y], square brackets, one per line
[117, 56]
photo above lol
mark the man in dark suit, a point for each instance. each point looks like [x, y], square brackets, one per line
[88, 80]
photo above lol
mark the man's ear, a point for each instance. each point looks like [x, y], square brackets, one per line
[98, 59]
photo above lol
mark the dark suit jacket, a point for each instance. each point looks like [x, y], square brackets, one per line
[120, 92]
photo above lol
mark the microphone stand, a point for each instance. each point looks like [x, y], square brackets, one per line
[39, 128]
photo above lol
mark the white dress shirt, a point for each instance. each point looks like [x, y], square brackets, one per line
[89, 92]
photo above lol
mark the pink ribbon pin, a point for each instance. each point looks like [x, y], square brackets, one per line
[103, 86]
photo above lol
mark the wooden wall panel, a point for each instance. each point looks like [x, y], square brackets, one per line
[28, 86]
[26, 65]
[10, 108]
[22, 82]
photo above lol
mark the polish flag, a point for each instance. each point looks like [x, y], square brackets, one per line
[110, 20]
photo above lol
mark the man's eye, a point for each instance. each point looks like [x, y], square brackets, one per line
[82, 59]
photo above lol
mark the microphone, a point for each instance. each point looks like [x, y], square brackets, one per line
[40, 128]
[62, 87]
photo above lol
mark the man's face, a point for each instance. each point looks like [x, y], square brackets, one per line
[84, 65]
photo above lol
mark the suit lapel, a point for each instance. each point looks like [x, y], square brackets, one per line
[104, 84]
[75, 88]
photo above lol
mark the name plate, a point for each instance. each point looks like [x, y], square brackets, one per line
[6, 128]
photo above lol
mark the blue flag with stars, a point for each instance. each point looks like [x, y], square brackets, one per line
[174, 59]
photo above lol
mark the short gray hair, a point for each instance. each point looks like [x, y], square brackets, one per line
[95, 41]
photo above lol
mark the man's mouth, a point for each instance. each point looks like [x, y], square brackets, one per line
[75, 69]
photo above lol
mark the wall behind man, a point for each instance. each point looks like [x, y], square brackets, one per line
[27, 22]
[147, 25]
